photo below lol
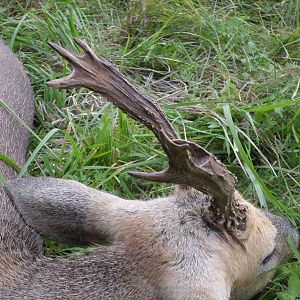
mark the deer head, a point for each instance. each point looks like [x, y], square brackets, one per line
[203, 242]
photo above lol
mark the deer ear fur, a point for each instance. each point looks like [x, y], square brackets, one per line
[57, 208]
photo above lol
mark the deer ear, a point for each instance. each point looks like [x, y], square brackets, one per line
[59, 209]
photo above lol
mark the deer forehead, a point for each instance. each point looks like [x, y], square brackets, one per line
[244, 264]
[245, 267]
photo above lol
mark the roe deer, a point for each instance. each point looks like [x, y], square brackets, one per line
[203, 242]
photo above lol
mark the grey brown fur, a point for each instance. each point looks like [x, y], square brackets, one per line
[160, 249]
[19, 244]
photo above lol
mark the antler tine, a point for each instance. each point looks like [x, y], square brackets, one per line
[189, 164]
[99, 76]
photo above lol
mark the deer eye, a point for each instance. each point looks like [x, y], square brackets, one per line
[267, 259]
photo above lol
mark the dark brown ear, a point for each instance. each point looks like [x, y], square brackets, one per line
[57, 208]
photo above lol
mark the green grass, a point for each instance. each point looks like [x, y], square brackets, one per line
[225, 72]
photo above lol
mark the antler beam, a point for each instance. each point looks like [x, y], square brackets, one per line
[189, 164]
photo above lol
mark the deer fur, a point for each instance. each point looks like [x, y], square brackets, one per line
[19, 244]
[165, 248]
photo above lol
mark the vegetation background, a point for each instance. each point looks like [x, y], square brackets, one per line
[225, 72]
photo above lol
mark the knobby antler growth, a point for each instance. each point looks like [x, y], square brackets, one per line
[189, 164]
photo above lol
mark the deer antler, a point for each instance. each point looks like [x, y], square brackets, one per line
[189, 164]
